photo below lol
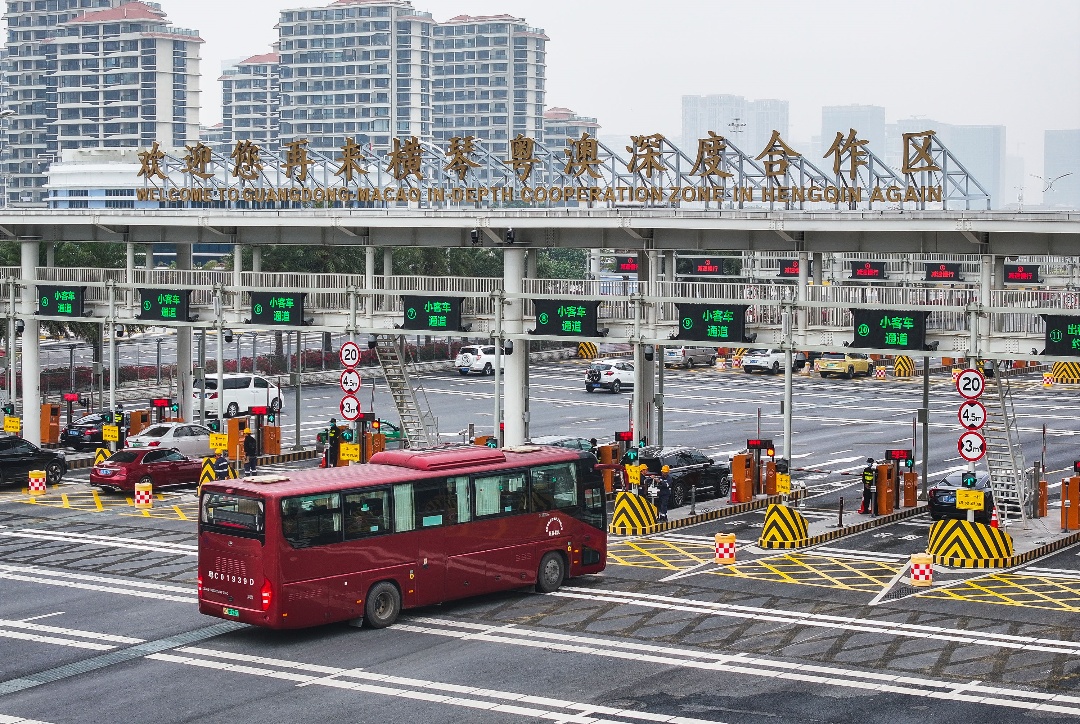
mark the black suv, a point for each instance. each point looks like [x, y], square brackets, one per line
[690, 468]
[18, 457]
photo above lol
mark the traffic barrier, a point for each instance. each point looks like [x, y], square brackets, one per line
[634, 515]
[37, 482]
[1048, 379]
[736, 363]
[586, 350]
[721, 363]
[956, 374]
[144, 495]
[995, 522]
[903, 366]
[725, 549]
[969, 545]
[101, 455]
[805, 371]
[922, 570]
[879, 373]
[207, 475]
[784, 528]
[1066, 372]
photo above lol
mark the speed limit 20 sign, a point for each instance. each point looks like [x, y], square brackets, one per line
[971, 384]
[349, 354]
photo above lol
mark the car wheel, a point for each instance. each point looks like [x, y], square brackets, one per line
[747, 370]
[146, 480]
[589, 388]
[723, 489]
[54, 471]
[712, 361]
[551, 573]
[850, 373]
[678, 495]
[383, 605]
[689, 363]
[463, 373]
[824, 375]
[870, 370]
[77, 447]
[488, 369]
[232, 410]
[616, 387]
[776, 368]
[275, 405]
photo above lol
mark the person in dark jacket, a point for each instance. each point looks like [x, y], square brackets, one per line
[221, 465]
[251, 452]
[868, 485]
[333, 444]
[663, 494]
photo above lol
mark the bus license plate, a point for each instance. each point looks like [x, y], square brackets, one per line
[231, 612]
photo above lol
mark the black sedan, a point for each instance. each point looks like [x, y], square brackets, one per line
[84, 432]
[941, 498]
[18, 457]
[690, 468]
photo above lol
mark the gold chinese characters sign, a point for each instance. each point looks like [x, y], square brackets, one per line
[582, 172]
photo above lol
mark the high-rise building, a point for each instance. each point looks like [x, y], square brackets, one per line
[94, 74]
[747, 124]
[869, 121]
[981, 150]
[356, 69]
[1061, 168]
[250, 100]
[562, 123]
[765, 116]
[489, 75]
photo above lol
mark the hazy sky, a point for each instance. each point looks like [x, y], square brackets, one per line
[628, 62]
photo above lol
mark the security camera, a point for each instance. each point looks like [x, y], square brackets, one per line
[474, 237]
[509, 236]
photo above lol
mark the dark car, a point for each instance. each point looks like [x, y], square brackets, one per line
[690, 468]
[574, 443]
[18, 457]
[159, 467]
[941, 498]
[84, 432]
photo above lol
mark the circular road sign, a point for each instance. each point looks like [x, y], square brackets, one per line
[971, 384]
[972, 446]
[350, 408]
[350, 381]
[349, 355]
[972, 415]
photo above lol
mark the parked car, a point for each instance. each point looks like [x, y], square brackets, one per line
[690, 468]
[84, 432]
[574, 443]
[770, 360]
[609, 374]
[476, 358]
[241, 393]
[389, 429]
[941, 498]
[189, 439]
[689, 356]
[18, 457]
[161, 467]
[845, 364]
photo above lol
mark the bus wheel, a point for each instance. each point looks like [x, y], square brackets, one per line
[551, 573]
[383, 605]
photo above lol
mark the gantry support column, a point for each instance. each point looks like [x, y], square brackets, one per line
[369, 284]
[183, 343]
[237, 278]
[256, 259]
[515, 382]
[804, 295]
[644, 370]
[31, 344]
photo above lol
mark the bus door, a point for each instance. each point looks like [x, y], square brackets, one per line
[427, 509]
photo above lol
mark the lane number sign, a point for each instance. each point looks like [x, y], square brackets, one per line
[971, 384]
[972, 446]
[350, 408]
[972, 415]
[349, 354]
[350, 381]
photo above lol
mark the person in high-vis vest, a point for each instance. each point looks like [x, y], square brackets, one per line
[869, 486]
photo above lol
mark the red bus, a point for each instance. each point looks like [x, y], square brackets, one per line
[411, 528]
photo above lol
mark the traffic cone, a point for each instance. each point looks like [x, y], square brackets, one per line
[994, 522]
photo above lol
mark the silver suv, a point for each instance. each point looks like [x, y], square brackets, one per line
[689, 356]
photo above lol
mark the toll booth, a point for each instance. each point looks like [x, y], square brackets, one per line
[50, 423]
[885, 480]
[138, 420]
[257, 423]
[1070, 503]
[235, 429]
[271, 440]
[754, 448]
[901, 461]
[374, 442]
[742, 478]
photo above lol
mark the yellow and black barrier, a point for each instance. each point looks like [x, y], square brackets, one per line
[784, 528]
[587, 350]
[634, 515]
[207, 474]
[903, 367]
[961, 544]
[1066, 371]
[101, 455]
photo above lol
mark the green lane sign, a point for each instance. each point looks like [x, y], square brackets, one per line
[278, 309]
[61, 301]
[566, 317]
[889, 329]
[1062, 335]
[712, 322]
[432, 313]
[164, 305]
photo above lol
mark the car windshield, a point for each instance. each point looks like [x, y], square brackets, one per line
[89, 419]
[599, 366]
[468, 350]
[124, 456]
[833, 355]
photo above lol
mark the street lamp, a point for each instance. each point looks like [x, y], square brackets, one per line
[1048, 184]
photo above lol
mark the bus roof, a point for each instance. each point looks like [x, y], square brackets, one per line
[395, 466]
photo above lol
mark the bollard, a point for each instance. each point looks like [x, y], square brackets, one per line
[922, 570]
[144, 495]
[879, 373]
[1048, 379]
[955, 374]
[840, 521]
[721, 363]
[37, 482]
[693, 497]
[725, 549]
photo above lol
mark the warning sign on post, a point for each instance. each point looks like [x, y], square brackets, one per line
[349, 451]
[110, 433]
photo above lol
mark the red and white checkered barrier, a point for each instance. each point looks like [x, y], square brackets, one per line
[144, 495]
[37, 482]
[725, 549]
[721, 363]
[879, 373]
[922, 569]
[736, 363]
[956, 374]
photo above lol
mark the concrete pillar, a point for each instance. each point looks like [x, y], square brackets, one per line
[256, 259]
[531, 263]
[515, 379]
[369, 283]
[50, 254]
[183, 345]
[817, 268]
[237, 275]
[149, 256]
[129, 264]
[31, 347]
[802, 314]
[388, 262]
[594, 263]
[986, 285]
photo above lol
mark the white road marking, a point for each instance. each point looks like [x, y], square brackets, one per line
[186, 549]
[5, 719]
[86, 582]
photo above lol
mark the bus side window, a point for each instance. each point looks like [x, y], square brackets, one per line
[432, 504]
[500, 494]
[367, 513]
[403, 508]
[553, 487]
[461, 488]
[311, 520]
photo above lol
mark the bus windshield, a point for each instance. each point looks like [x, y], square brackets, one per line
[233, 514]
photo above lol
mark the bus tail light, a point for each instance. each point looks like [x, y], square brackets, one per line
[267, 595]
[200, 586]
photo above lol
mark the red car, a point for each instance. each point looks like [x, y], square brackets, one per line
[160, 468]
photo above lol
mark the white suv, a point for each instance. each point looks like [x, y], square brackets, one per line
[609, 374]
[242, 392]
[689, 356]
[476, 358]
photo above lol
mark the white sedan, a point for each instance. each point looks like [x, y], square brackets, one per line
[191, 440]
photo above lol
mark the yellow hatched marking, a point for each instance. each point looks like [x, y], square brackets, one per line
[179, 512]
[64, 500]
[97, 501]
[1016, 590]
[652, 553]
[820, 571]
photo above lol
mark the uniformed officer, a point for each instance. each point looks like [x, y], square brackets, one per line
[333, 444]
[664, 491]
[221, 465]
[869, 482]
[251, 452]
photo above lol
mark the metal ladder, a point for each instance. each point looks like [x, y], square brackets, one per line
[1004, 456]
[420, 427]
